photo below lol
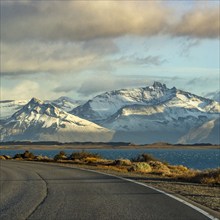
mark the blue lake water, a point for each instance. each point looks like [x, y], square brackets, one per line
[193, 158]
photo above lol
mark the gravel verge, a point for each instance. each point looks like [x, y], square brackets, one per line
[201, 195]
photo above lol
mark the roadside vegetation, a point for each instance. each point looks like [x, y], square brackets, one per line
[144, 164]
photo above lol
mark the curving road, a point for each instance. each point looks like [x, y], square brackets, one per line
[42, 191]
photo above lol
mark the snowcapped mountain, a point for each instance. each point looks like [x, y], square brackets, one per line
[40, 121]
[105, 105]
[141, 124]
[142, 115]
[209, 132]
[9, 107]
[65, 103]
[150, 114]
[214, 95]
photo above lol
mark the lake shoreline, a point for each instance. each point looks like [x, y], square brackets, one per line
[99, 146]
[195, 158]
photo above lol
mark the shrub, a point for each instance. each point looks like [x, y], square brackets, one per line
[159, 168]
[141, 167]
[28, 155]
[17, 156]
[25, 155]
[42, 158]
[7, 157]
[83, 155]
[210, 177]
[144, 158]
[2, 157]
[122, 162]
[179, 170]
[61, 156]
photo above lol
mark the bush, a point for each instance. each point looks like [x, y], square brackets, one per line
[144, 158]
[7, 157]
[42, 158]
[210, 177]
[159, 168]
[61, 156]
[83, 155]
[122, 162]
[141, 167]
[28, 155]
[2, 157]
[25, 155]
[17, 156]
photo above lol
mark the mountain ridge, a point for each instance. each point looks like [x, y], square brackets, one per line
[150, 114]
[9, 107]
[38, 120]
[106, 104]
[140, 115]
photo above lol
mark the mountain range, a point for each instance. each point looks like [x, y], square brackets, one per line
[214, 95]
[38, 120]
[9, 107]
[141, 115]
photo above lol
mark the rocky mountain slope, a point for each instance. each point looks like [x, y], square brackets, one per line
[105, 105]
[142, 115]
[65, 103]
[214, 95]
[209, 132]
[39, 121]
[9, 107]
[150, 114]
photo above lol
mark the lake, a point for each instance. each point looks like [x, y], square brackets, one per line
[193, 158]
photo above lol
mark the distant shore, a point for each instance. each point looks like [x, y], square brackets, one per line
[88, 145]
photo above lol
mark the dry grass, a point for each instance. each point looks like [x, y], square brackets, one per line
[209, 177]
[145, 164]
[120, 169]
[83, 155]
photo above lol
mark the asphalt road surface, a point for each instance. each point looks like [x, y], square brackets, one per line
[44, 191]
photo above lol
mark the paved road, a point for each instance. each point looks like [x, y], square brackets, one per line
[41, 191]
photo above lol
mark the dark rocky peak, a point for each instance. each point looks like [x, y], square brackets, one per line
[35, 101]
[37, 106]
[159, 85]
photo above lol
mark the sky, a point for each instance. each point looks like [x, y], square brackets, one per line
[82, 48]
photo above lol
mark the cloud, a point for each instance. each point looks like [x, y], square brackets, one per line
[80, 20]
[151, 60]
[84, 37]
[21, 90]
[198, 80]
[40, 86]
[107, 82]
[201, 22]
[133, 60]
[100, 46]
[64, 88]
[87, 20]
[32, 57]
[187, 45]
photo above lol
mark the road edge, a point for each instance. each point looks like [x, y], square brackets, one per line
[182, 199]
[158, 190]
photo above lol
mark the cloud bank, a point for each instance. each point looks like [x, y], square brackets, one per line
[86, 37]
[198, 23]
[85, 20]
